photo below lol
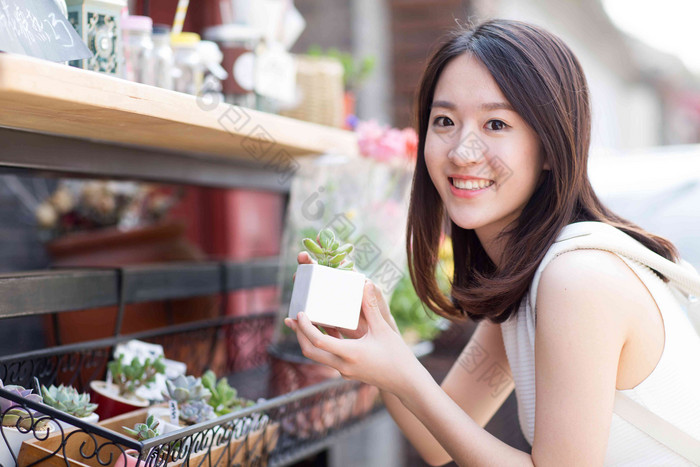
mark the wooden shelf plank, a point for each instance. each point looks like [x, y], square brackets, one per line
[41, 96]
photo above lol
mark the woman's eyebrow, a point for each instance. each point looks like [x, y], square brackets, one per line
[496, 106]
[443, 104]
[485, 106]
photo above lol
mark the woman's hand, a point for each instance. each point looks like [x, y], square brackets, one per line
[378, 357]
[304, 258]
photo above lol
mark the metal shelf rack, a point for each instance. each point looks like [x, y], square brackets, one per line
[62, 121]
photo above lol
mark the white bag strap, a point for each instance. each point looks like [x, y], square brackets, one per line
[686, 281]
[664, 432]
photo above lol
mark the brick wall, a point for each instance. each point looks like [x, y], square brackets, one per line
[416, 26]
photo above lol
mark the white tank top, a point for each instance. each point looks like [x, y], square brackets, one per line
[672, 390]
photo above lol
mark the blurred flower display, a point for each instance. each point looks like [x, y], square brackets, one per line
[78, 205]
[384, 144]
[415, 321]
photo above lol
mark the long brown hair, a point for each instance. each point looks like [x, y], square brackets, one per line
[543, 81]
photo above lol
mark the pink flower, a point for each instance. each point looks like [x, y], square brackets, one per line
[411, 138]
[384, 143]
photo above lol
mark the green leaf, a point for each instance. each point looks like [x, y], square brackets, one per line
[337, 259]
[347, 248]
[209, 379]
[348, 266]
[326, 238]
[312, 246]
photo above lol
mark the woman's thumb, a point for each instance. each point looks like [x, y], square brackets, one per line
[370, 304]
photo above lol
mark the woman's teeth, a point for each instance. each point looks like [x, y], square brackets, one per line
[471, 184]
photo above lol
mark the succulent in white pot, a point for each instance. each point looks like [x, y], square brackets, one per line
[329, 291]
[191, 397]
[19, 423]
[67, 399]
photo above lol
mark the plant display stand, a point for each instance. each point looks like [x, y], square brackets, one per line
[62, 121]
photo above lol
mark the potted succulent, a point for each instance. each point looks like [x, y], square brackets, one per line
[224, 398]
[118, 397]
[191, 398]
[19, 423]
[67, 399]
[142, 432]
[330, 280]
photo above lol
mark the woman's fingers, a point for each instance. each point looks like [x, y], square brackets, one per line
[302, 258]
[314, 344]
[332, 332]
[384, 309]
[370, 306]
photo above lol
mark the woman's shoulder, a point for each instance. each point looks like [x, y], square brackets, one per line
[596, 282]
[589, 269]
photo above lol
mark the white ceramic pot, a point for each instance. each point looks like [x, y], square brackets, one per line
[14, 442]
[329, 296]
[92, 418]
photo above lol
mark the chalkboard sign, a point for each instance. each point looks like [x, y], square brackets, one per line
[38, 28]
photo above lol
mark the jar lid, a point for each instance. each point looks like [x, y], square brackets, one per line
[161, 29]
[231, 32]
[137, 23]
[185, 38]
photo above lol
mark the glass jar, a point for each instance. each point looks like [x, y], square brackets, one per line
[238, 43]
[138, 49]
[214, 74]
[163, 59]
[188, 69]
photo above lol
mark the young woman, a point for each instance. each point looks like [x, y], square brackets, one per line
[505, 104]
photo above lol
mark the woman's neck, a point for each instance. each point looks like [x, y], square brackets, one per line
[492, 246]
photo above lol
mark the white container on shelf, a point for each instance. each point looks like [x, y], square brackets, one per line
[163, 59]
[14, 439]
[329, 296]
[138, 49]
[188, 70]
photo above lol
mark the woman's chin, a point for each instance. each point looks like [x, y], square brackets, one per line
[467, 223]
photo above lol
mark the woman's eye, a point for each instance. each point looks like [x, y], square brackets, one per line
[444, 120]
[496, 125]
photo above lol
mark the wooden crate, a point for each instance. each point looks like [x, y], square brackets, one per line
[51, 453]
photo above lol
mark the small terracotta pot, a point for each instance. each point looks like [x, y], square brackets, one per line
[129, 459]
[110, 404]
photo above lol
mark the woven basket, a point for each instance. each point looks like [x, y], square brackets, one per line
[320, 88]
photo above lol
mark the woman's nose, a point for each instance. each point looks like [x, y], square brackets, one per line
[468, 150]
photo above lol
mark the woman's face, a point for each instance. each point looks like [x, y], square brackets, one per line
[473, 133]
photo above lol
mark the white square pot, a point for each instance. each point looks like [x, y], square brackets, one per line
[329, 297]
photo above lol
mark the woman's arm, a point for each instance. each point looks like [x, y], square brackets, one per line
[479, 382]
[578, 339]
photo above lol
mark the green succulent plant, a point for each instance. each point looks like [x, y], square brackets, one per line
[355, 70]
[192, 398]
[144, 431]
[185, 389]
[67, 399]
[224, 398]
[130, 377]
[327, 251]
